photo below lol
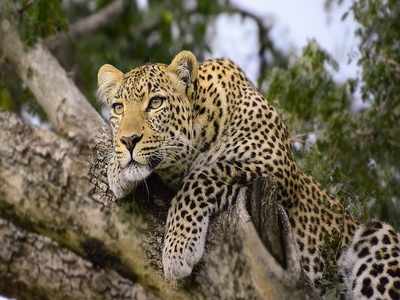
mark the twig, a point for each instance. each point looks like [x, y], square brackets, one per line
[265, 43]
[87, 25]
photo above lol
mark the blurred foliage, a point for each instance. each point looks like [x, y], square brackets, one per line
[315, 105]
[356, 152]
[142, 35]
[40, 18]
[139, 35]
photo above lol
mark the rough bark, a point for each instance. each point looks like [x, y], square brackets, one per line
[66, 107]
[53, 192]
[49, 186]
[30, 261]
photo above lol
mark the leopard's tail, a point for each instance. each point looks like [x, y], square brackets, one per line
[370, 265]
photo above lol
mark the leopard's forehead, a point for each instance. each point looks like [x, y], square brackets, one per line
[141, 81]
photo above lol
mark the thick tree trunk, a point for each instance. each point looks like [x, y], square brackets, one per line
[34, 267]
[66, 107]
[49, 187]
[63, 237]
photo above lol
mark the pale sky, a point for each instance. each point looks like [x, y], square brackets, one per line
[295, 23]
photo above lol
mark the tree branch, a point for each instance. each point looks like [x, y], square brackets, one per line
[38, 267]
[66, 107]
[87, 25]
[265, 43]
[270, 246]
[47, 186]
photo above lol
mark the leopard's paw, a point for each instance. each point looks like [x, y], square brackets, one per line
[180, 255]
[175, 266]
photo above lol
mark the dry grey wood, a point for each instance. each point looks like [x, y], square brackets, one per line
[46, 186]
[38, 266]
[276, 276]
[67, 108]
[49, 186]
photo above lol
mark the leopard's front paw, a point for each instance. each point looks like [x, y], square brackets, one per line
[183, 249]
[175, 266]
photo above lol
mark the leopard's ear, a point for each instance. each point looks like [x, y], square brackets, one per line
[184, 66]
[108, 80]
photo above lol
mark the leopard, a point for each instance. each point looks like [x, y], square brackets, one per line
[370, 265]
[205, 129]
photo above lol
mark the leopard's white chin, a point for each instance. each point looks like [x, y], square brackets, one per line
[123, 181]
[135, 173]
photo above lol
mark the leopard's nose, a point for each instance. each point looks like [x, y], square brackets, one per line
[131, 141]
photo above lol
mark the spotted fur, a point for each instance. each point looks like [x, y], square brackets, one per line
[370, 266]
[212, 134]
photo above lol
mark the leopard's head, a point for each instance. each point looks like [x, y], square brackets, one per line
[150, 113]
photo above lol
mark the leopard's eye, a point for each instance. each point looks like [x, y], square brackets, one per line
[118, 108]
[155, 102]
